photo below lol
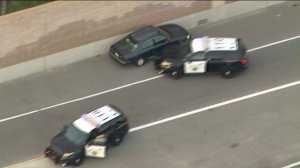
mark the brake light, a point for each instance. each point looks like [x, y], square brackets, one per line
[243, 61]
[126, 122]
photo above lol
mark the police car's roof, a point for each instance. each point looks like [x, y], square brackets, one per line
[96, 118]
[214, 44]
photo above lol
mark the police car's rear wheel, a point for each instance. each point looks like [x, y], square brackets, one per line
[140, 62]
[228, 72]
[78, 160]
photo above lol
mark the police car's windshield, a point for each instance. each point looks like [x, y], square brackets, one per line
[75, 135]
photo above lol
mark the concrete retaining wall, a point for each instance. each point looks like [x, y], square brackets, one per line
[101, 47]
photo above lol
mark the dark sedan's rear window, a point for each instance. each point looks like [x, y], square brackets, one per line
[144, 34]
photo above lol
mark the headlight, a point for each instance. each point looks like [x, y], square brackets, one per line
[165, 65]
[189, 36]
[66, 155]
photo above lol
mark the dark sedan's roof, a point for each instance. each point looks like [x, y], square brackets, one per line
[145, 33]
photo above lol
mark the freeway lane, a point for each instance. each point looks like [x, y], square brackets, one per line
[255, 133]
[142, 105]
[226, 136]
[103, 73]
[270, 67]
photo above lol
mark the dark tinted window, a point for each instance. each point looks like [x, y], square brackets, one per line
[144, 34]
[224, 55]
[215, 55]
[159, 40]
[148, 44]
[198, 56]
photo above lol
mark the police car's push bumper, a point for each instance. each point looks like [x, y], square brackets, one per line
[161, 72]
[57, 159]
[166, 71]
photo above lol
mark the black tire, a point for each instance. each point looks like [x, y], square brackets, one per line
[140, 62]
[78, 160]
[116, 139]
[176, 74]
[157, 63]
[228, 72]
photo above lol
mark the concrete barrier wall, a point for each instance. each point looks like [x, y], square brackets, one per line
[62, 25]
[101, 47]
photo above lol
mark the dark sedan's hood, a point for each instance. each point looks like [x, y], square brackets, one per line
[176, 31]
[62, 145]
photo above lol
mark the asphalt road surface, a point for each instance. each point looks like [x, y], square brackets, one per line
[260, 132]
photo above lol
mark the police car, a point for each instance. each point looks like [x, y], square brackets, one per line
[90, 135]
[205, 54]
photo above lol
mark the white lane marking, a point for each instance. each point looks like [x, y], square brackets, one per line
[292, 165]
[271, 44]
[79, 99]
[124, 86]
[215, 106]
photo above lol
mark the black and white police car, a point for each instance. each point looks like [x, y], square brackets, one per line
[205, 54]
[90, 135]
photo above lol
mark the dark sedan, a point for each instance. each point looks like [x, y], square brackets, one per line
[141, 45]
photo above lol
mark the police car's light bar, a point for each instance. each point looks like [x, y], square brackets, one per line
[90, 120]
[214, 44]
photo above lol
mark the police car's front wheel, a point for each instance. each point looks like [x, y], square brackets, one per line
[228, 72]
[176, 74]
[116, 139]
[78, 160]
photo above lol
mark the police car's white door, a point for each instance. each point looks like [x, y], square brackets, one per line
[197, 63]
[97, 148]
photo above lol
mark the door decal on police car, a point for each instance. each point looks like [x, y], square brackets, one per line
[95, 151]
[195, 66]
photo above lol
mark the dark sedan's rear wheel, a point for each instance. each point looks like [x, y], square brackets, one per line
[140, 62]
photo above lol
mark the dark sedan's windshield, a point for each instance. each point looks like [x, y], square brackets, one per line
[75, 135]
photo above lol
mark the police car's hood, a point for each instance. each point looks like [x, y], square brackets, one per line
[62, 145]
[173, 61]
